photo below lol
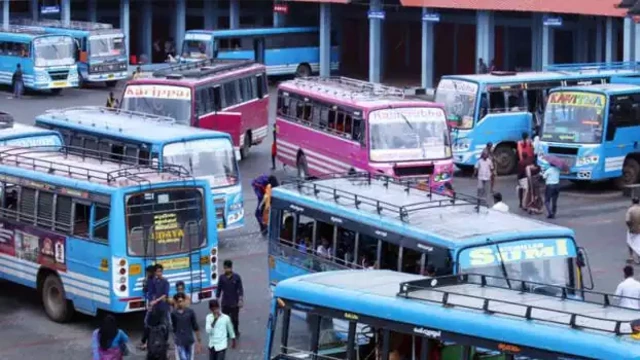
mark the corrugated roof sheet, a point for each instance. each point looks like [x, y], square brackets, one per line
[583, 7]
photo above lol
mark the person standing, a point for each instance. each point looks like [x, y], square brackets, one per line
[482, 67]
[219, 329]
[184, 326]
[632, 219]
[158, 292]
[18, 82]
[109, 342]
[523, 181]
[274, 150]
[230, 294]
[484, 171]
[155, 339]
[551, 178]
[525, 147]
[629, 289]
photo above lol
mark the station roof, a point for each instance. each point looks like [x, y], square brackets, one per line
[581, 7]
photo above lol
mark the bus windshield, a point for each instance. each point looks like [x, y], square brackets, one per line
[106, 45]
[540, 261]
[197, 49]
[210, 158]
[165, 222]
[459, 100]
[408, 134]
[54, 51]
[163, 100]
[574, 117]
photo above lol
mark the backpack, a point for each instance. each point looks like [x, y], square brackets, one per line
[157, 342]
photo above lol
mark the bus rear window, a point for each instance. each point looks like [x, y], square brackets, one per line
[165, 222]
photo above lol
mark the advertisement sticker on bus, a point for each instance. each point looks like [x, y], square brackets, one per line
[158, 92]
[516, 252]
[199, 37]
[408, 134]
[166, 228]
[577, 99]
[33, 245]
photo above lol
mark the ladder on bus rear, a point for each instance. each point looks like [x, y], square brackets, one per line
[196, 259]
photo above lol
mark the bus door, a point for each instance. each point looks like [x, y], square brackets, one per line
[258, 50]
[210, 114]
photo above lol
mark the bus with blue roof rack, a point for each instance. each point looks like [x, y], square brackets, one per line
[283, 50]
[207, 154]
[500, 106]
[382, 314]
[81, 227]
[102, 52]
[365, 221]
[47, 61]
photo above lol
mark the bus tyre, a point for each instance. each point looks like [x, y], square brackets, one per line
[246, 146]
[505, 159]
[303, 70]
[55, 300]
[112, 84]
[301, 165]
[630, 173]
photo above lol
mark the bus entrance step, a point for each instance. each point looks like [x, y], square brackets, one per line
[631, 191]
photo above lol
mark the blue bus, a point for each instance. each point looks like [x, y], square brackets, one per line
[102, 51]
[82, 228]
[15, 134]
[499, 107]
[382, 314]
[361, 221]
[207, 154]
[284, 51]
[48, 61]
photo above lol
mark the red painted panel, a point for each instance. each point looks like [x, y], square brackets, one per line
[467, 49]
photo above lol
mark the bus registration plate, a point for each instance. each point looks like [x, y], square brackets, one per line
[111, 76]
[59, 84]
[220, 226]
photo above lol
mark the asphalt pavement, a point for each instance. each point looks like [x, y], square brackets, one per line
[595, 213]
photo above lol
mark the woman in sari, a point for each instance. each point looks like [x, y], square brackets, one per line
[533, 201]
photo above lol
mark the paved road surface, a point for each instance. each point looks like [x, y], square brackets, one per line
[25, 332]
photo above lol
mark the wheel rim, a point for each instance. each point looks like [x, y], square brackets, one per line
[503, 161]
[54, 299]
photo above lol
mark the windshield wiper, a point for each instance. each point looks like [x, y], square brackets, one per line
[502, 266]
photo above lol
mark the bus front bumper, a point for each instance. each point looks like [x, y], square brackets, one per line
[115, 76]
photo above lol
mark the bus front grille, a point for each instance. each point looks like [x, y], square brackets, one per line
[59, 74]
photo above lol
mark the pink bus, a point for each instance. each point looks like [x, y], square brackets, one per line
[333, 125]
[224, 95]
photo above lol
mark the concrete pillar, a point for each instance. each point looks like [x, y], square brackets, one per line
[599, 40]
[181, 24]
[210, 15]
[35, 10]
[628, 40]
[5, 14]
[124, 23]
[547, 45]
[325, 39]
[147, 27]
[234, 14]
[427, 53]
[536, 42]
[375, 42]
[485, 35]
[65, 11]
[608, 52]
[636, 42]
[92, 11]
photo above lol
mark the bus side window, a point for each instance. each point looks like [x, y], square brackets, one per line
[91, 143]
[262, 81]
[100, 229]
[345, 247]
[496, 102]
[81, 219]
[214, 93]
[77, 140]
[515, 101]
[117, 151]
[258, 84]
[348, 121]
[143, 156]
[27, 206]
[304, 233]
[63, 214]
[315, 117]
[286, 229]
[299, 110]
[367, 254]
[293, 108]
[307, 111]
[412, 261]
[131, 154]
[44, 210]
[390, 256]
[324, 118]
[324, 236]
[622, 114]
[331, 124]
[339, 126]
[10, 200]
[358, 130]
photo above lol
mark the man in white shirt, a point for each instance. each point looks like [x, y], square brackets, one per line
[484, 172]
[629, 289]
[324, 250]
[498, 204]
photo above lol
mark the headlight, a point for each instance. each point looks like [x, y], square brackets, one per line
[236, 206]
[587, 160]
[461, 146]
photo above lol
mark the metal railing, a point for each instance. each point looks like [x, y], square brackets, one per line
[349, 88]
[206, 67]
[65, 115]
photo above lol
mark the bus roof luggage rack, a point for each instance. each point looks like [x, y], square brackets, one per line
[63, 114]
[72, 25]
[18, 156]
[523, 299]
[349, 88]
[6, 120]
[628, 80]
[24, 30]
[594, 67]
[313, 187]
[202, 68]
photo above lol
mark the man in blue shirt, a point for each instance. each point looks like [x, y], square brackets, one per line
[231, 292]
[552, 190]
[158, 291]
